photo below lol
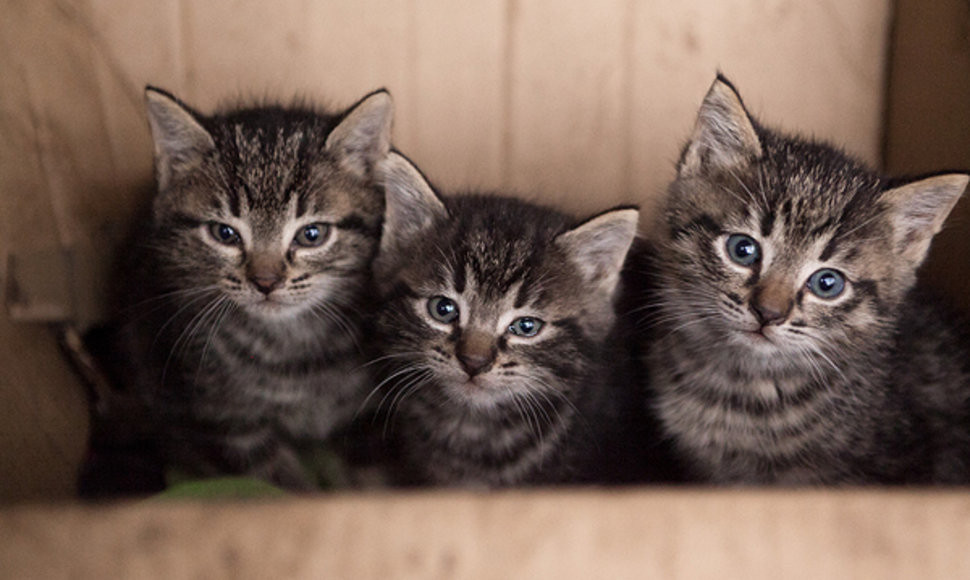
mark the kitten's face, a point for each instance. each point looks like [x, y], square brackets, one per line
[265, 212]
[785, 250]
[478, 329]
[490, 300]
[779, 269]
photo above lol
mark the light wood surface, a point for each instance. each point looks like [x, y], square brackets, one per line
[546, 534]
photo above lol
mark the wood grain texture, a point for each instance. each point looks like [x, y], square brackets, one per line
[546, 534]
[803, 67]
[458, 118]
[566, 123]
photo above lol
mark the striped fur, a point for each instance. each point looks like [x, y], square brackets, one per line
[541, 407]
[759, 380]
[243, 342]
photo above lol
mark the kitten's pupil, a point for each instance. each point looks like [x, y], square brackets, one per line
[443, 309]
[525, 326]
[224, 233]
[743, 249]
[312, 235]
[826, 283]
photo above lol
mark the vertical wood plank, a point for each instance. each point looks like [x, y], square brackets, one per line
[815, 68]
[457, 118]
[357, 46]
[928, 121]
[43, 156]
[331, 53]
[135, 43]
[566, 122]
[234, 49]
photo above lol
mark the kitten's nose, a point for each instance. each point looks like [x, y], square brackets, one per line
[266, 271]
[474, 364]
[769, 313]
[771, 302]
[476, 353]
[266, 284]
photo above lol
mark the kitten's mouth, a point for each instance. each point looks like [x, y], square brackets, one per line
[759, 336]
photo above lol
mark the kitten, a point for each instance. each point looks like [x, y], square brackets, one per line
[498, 331]
[242, 322]
[788, 345]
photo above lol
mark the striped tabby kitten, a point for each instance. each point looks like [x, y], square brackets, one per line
[244, 316]
[790, 347]
[497, 326]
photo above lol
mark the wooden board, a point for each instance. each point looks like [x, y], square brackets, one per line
[665, 534]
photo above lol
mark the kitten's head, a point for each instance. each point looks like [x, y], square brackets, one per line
[274, 209]
[488, 299]
[781, 247]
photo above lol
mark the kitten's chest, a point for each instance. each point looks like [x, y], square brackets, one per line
[453, 446]
[307, 385]
[737, 429]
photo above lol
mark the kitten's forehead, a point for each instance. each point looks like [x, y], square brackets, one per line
[265, 163]
[802, 200]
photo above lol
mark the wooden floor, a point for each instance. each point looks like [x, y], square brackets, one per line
[565, 534]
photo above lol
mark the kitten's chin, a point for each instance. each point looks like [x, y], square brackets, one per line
[476, 393]
[275, 311]
[761, 342]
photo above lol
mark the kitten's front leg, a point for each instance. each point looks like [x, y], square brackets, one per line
[208, 451]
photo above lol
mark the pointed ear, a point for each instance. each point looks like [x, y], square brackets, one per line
[180, 141]
[410, 204]
[918, 210]
[724, 134]
[599, 246]
[363, 137]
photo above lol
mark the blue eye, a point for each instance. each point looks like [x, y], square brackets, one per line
[443, 309]
[312, 235]
[224, 234]
[525, 326]
[826, 283]
[743, 249]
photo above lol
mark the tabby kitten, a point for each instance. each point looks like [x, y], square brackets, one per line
[243, 321]
[497, 328]
[788, 344]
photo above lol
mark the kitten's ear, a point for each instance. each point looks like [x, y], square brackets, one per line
[918, 210]
[363, 137]
[180, 141]
[724, 134]
[411, 205]
[599, 246]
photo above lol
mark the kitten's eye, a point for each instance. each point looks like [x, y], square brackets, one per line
[743, 249]
[312, 235]
[443, 309]
[525, 326]
[826, 283]
[224, 234]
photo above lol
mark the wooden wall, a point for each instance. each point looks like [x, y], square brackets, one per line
[928, 120]
[583, 104]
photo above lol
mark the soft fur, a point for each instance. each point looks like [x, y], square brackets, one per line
[759, 380]
[473, 403]
[241, 314]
